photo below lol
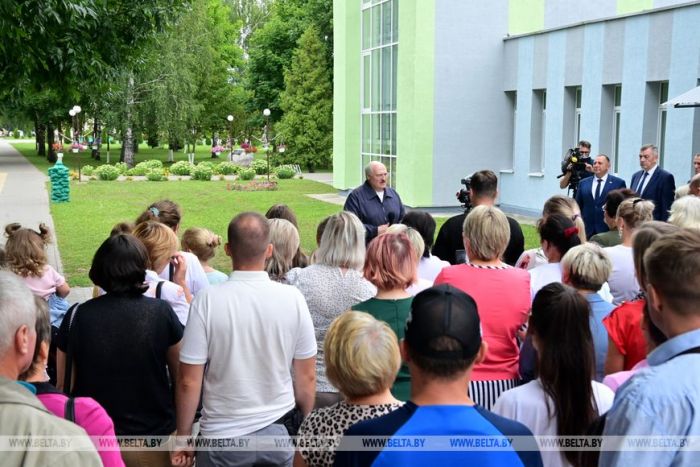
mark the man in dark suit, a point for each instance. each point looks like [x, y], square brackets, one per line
[591, 194]
[653, 182]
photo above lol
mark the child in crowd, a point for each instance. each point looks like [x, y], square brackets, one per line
[26, 257]
[203, 244]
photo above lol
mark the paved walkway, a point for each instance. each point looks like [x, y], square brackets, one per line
[24, 198]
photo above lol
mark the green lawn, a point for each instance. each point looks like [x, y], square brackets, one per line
[96, 206]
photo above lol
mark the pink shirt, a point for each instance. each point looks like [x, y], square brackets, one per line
[45, 285]
[90, 415]
[502, 296]
[615, 380]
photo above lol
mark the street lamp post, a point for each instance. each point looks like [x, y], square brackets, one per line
[266, 140]
[230, 137]
[76, 132]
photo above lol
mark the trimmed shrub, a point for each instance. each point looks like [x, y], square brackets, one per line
[121, 167]
[107, 172]
[260, 166]
[156, 175]
[227, 168]
[285, 171]
[202, 171]
[246, 173]
[87, 170]
[181, 168]
[153, 164]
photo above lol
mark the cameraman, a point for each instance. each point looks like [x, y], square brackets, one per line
[579, 171]
[483, 189]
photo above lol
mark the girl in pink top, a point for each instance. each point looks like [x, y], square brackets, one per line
[88, 413]
[502, 295]
[26, 257]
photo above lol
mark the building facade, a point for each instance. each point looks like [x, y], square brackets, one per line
[437, 89]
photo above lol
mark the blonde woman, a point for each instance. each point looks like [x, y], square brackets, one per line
[285, 242]
[162, 245]
[333, 284]
[631, 214]
[502, 294]
[203, 244]
[362, 358]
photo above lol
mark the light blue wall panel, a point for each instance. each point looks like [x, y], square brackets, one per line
[633, 95]
[593, 49]
[683, 76]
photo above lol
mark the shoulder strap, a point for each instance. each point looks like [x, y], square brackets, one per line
[159, 288]
[72, 336]
[69, 412]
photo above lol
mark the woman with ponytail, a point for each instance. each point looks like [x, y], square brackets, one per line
[558, 234]
[564, 399]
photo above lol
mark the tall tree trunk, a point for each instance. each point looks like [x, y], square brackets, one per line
[40, 129]
[128, 143]
[51, 156]
[96, 139]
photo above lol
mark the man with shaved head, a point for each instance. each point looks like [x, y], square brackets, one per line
[257, 341]
[376, 204]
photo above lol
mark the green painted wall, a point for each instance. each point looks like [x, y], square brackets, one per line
[525, 16]
[416, 102]
[346, 94]
[633, 6]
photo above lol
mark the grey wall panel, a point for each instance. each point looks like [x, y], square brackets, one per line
[613, 54]
[559, 13]
[470, 103]
[660, 33]
[574, 57]
[539, 70]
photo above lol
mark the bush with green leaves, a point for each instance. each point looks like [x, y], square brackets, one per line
[121, 167]
[227, 168]
[181, 168]
[87, 170]
[156, 175]
[260, 166]
[285, 171]
[246, 173]
[202, 171]
[107, 172]
[153, 164]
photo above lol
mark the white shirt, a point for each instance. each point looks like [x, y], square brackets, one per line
[528, 403]
[430, 267]
[248, 330]
[622, 280]
[171, 293]
[646, 182]
[594, 187]
[195, 277]
[551, 272]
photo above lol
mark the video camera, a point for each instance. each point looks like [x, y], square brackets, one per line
[575, 164]
[463, 194]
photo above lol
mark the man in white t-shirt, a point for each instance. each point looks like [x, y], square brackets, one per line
[251, 333]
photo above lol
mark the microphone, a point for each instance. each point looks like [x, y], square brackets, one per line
[391, 217]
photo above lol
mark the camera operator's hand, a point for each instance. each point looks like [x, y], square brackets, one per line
[589, 167]
[564, 181]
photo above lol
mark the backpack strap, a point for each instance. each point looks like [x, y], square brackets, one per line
[69, 411]
[159, 288]
[70, 355]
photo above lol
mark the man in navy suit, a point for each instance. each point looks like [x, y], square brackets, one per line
[653, 182]
[592, 192]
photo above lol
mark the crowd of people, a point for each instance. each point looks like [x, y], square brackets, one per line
[379, 333]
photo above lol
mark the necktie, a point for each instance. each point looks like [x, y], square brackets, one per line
[641, 184]
[597, 189]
